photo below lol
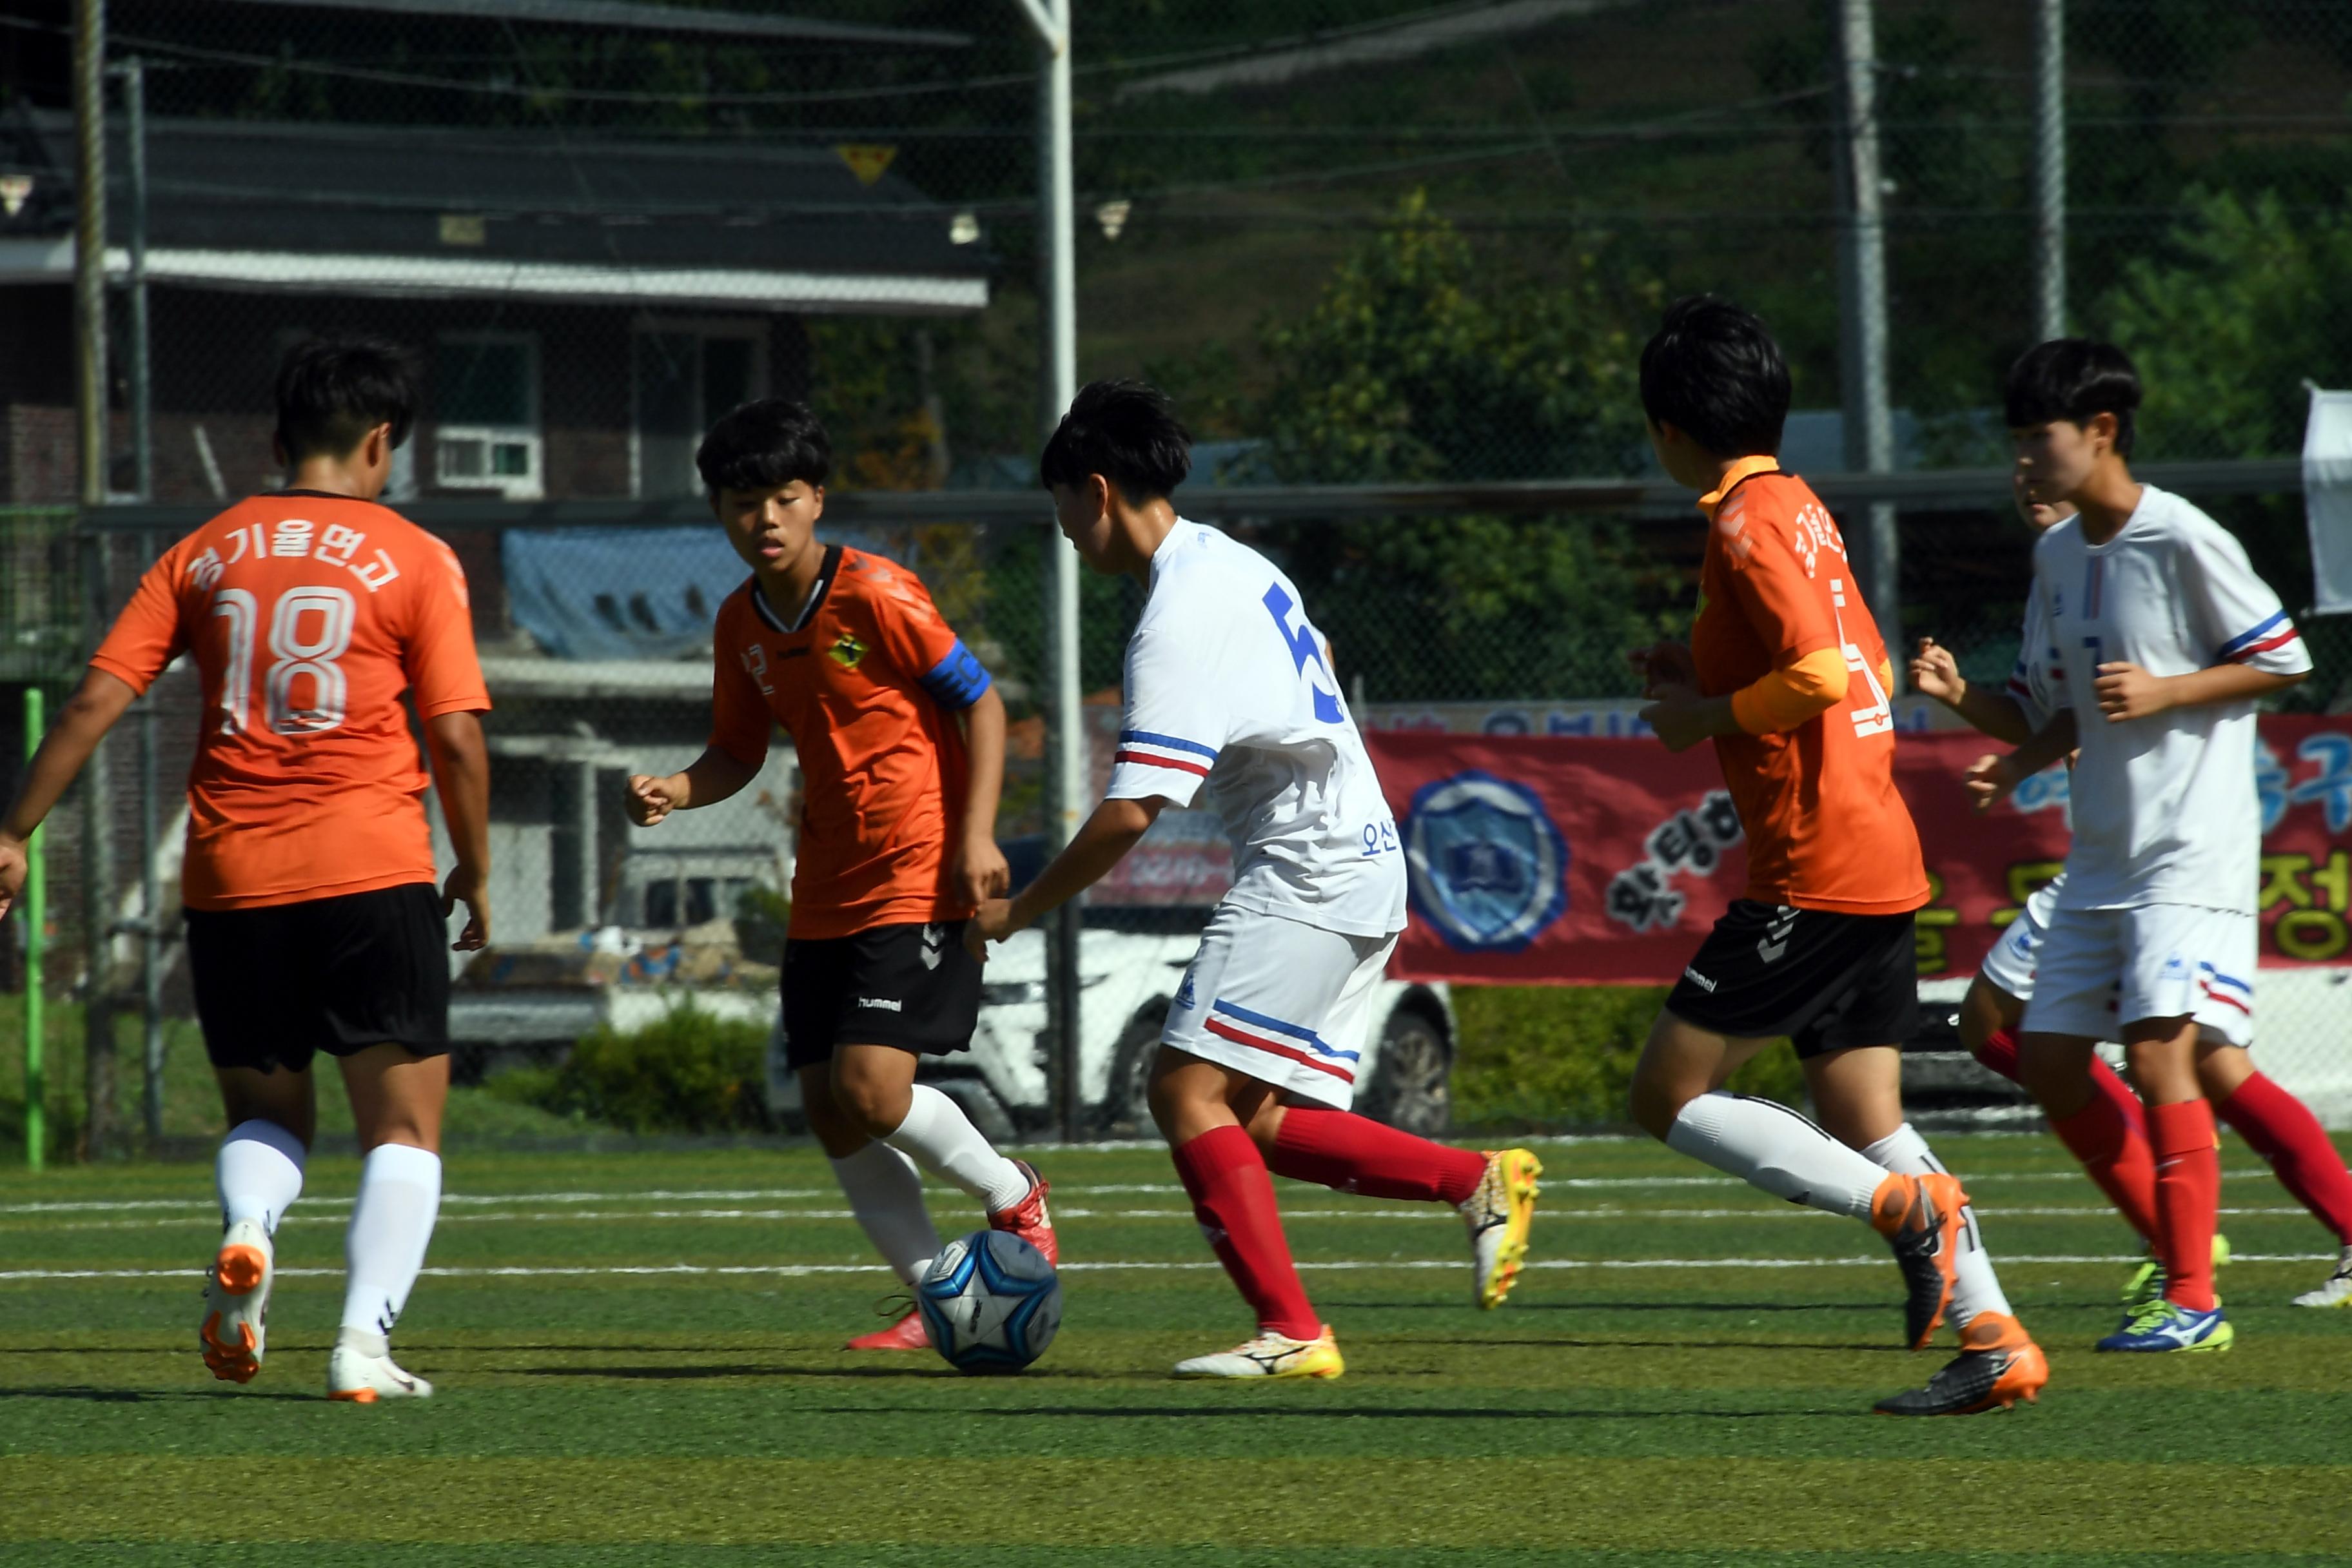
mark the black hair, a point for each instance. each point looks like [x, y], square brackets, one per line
[2073, 379]
[1128, 432]
[1713, 372]
[764, 446]
[333, 390]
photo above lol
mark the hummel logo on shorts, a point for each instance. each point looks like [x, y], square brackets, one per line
[1701, 981]
[881, 1004]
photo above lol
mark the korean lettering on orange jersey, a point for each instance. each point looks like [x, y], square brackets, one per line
[292, 539]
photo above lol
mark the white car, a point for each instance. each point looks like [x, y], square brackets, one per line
[1126, 979]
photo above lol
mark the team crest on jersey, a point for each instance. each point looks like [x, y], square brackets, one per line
[847, 652]
[1486, 867]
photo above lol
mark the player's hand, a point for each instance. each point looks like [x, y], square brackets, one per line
[992, 922]
[1678, 716]
[469, 886]
[1664, 664]
[651, 798]
[979, 872]
[1935, 672]
[1990, 780]
[2128, 691]
[12, 870]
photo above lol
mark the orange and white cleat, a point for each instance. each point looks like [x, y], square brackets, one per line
[236, 1303]
[907, 1334]
[1028, 1219]
[1999, 1364]
[362, 1372]
[1920, 1218]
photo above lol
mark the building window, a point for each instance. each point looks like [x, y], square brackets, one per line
[685, 374]
[486, 432]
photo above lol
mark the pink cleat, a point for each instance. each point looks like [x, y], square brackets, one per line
[1028, 1219]
[907, 1334]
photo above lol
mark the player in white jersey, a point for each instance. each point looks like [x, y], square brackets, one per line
[2161, 639]
[2110, 1133]
[1230, 689]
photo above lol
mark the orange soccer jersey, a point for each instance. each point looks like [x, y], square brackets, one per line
[1826, 829]
[866, 681]
[308, 615]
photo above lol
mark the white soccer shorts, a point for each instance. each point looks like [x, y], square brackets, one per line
[2102, 969]
[2009, 965]
[1285, 1001]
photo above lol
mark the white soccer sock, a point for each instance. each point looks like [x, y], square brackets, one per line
[400, 1192]
[942, 1139]
[886, 1193]
[1773, 1147]
[258, 1173]
[1978, 1288]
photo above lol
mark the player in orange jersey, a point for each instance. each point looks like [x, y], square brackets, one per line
[1785, 673]
[314, 922]
[900, 737]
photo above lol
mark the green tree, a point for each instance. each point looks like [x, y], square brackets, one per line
[2242, 306]
[1418, 364]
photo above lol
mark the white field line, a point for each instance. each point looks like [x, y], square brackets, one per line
[807, 1270]
[456, 1200]
[206, 1215]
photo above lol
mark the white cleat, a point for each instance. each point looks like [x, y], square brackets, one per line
[2337, 1291]
[364, 1373]
[236, 1302]
[1271, 1355]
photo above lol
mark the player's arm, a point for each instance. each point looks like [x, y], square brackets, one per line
[1780, 700]
[980, 870]
[1991, 777]
[710, 778]
[1102, 842]
[89, 714]
[1995, 713]
[2128, 691]
[461, 777]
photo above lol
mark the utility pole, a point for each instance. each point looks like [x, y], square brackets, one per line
[1058, 311]
[90, 404]
[1862, 273]
[2049, 169]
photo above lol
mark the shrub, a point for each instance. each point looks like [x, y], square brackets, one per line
[1563, 1056]
[689, 1072]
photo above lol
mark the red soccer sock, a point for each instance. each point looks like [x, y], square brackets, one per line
[1999, 1053]
[1357, 1154]
[2187, 1199]
[2284, 1131]
[2114, 1150]
[1232, 1197]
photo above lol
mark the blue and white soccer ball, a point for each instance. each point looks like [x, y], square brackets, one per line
[991, 1301]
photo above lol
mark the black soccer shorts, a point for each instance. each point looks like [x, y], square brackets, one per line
[911, 986]
[1828, 981]
[275, 985]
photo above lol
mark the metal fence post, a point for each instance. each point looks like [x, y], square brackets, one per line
[33, 914]
[150, 913]
[1869, 419]
[2049, 169]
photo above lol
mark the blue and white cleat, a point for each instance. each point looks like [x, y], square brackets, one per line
[2167, 1326]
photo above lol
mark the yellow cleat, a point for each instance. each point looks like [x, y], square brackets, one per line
[1271, 1355]
[1498, 1215]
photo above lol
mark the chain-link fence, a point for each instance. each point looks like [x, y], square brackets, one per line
[1393, 242]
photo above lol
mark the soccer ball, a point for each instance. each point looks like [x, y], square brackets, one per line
[991, 1301]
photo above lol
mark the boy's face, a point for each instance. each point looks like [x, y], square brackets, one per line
[1083, 513]
[771, 529]
[2055, 459]
[2039, 515]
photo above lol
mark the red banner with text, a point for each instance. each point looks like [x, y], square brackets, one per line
[1570, 860]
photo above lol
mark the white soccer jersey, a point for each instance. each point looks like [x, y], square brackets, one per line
[2032, 649]
[1229, 685]
[2164, 809]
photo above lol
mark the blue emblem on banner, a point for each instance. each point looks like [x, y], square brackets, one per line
[1488, 868]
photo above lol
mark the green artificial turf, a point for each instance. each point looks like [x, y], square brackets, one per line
[1684, 1378]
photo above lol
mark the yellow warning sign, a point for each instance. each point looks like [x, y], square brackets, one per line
[866, 160]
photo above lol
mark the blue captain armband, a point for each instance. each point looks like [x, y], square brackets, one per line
[959, 679]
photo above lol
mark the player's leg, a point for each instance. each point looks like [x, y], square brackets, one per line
[911, 990]
[1494, 1191]
[397, 1100]
[885, 1191]
[249, 994]
[2283, 1131]
[1204, 1109]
